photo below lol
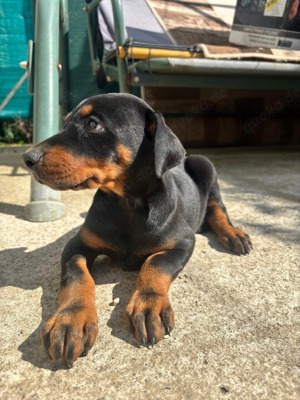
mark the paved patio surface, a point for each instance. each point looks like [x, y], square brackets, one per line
[237, 333]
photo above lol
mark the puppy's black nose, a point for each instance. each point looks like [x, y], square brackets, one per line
[32, 157]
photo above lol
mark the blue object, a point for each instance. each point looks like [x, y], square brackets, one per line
[16, 28]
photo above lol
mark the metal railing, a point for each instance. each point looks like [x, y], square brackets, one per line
[48, 81]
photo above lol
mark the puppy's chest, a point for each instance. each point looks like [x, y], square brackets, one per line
[134, 242]
[128, 228]
[136, 232]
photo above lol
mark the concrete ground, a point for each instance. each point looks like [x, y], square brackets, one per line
[237, 318]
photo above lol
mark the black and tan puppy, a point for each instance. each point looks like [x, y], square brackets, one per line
[150, 203]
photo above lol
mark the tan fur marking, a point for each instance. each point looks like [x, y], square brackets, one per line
[158, 249]
[152, 278]
[228, 235]
[82, 293]
[125, 154]
[86, 110]
[59, 167]
[217, 219]
[83, 290]
[151, 281]
[93, 241]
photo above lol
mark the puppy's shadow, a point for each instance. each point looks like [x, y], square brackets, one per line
[104, 272]
[30, 270]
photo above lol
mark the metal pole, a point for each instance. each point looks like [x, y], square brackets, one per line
[120, 37]
[64, 75]
[45, 204]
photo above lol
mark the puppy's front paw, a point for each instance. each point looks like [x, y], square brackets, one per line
[70, 332]
[150, 316]
[236, 240]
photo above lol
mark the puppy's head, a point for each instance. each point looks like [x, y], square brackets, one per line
[103, 140]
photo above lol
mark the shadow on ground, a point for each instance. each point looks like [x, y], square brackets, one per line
[41, 268]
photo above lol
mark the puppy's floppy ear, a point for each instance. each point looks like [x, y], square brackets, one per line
[168, 150]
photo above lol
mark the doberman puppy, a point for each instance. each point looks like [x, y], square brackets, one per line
[151, 200]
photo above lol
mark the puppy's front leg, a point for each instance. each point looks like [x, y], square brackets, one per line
[149, 313]
[72, 330]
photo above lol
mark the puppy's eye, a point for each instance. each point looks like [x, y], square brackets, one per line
[94, 125]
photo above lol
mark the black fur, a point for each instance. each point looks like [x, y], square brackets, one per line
[152, 220]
